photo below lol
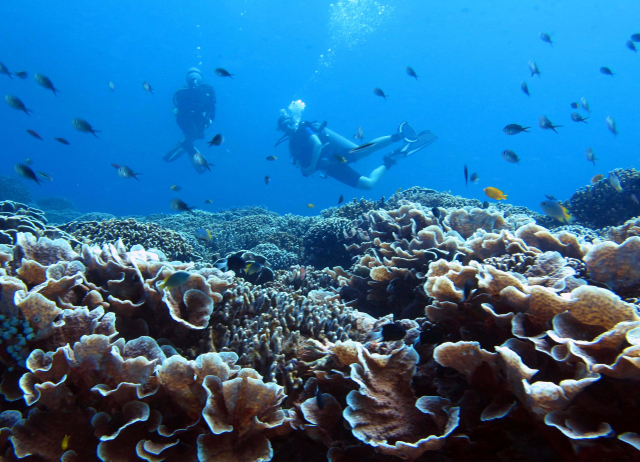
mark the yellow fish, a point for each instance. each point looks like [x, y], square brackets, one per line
[597, 178]
[495, 193]
[399, 189]
[272, 158]
[65, 442]
[310, 206]
[340, 159]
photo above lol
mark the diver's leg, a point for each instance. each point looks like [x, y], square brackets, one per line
[367, 183]
[405, 133]
[344, 146]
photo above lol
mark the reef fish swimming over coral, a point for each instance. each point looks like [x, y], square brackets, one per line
[175, 280]
[495, 193]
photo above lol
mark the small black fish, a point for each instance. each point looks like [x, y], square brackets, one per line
[180, 206]
[378, 92]
[510, 156]
[524, 88]
[267, 179]
[45, 82]
[62, 140]
[466, 176]
[411, 72]
[235, 263]
[474, 178]
[341, 199]
[216, 140]
[21, 75]
[25, 172]
[606, 71]
[147, 87]
[546, 124]
[393, 332]
[16, 103]
[578, 118]
[349, 294]
[34, 134]
[551, 198]
[629, 43]
[436, 212]
[486, 205]
[635, 37]
[546, 38]
[319, 398]
[514, 129]
[220, 72]
[575, 105]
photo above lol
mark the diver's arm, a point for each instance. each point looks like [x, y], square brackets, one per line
[317, 149]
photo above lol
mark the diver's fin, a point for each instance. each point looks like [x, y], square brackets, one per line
[423, 139]
[174, 153]
[407, 132]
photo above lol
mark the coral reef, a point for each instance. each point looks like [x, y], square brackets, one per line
[237, 229]
[509, 341]
[355, 209]
[430, 198]
[600, 205]
[16, 217]
[131, 232]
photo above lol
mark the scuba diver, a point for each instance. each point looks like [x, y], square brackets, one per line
[314, 147]
[195, 109]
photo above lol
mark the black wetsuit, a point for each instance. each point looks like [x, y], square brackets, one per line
[196, 109]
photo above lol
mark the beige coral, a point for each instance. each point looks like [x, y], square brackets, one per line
[384, 412]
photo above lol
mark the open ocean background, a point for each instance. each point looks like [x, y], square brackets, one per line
[470, 58]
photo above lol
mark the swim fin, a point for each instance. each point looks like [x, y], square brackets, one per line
[174, 153]
[423, 139]
[407, 132]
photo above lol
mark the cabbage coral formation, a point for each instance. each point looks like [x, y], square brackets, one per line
[529, 361]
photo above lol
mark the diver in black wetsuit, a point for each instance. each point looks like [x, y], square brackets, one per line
[195, 109]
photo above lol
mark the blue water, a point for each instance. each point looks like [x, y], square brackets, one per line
[470, 56]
